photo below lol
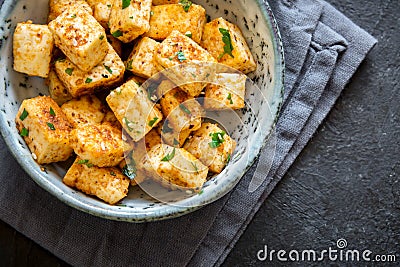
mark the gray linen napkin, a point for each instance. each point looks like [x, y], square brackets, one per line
[323, 49]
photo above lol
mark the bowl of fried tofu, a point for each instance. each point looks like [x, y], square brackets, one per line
[138, 110]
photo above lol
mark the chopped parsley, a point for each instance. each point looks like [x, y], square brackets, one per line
[151, 13]
[154, 120]
[185, 4]
[69, 71]
[230, 98]
[226, 38]
[126, 3]
[188, 34]
[181, 56]
[128, 124]
[201, 192]
[51, 126]
[24, 115]
[73, 16]
[101, 37]
[108, 68]
[228, 159]
[24, 132]
[129, 170]
[194, 166]
[117, 33]
[129, 64]
[52, 113]
[85, 162]
[88, 80]
[184, 108]
[217, 139]
[168, 157]
[108, 5]
[113, 173]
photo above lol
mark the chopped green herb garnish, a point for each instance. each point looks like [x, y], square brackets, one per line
[131, 17]
[166, 128]
[88, 80]
[151, 13]
[154, 120]
[129, 124]
[52, 113]
[101, 37]
[170, 58]
[24, 132]
[73, 16]
[108, 5]
[201, 192]
[51, 126]
[24, 115]
[85, 162]
[168, 157]
[60, 59]
[129, 170]
[194, 166]
[181, 56]
[230, 98]
[184, 108]
[228, 159]
[226, 38]
[69, 71]
[112, 173]
[217, 139]
[108, 68]
[126, 3]
[188, 34]
[129, 64]
[185, 4]
[117, 33]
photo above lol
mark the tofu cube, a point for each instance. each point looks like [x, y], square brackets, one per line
[136, 113]
[56, 7]
[108, 184]
[180, 50]
[84, 110]
[175, 168]
[99, 144]
[183, 112]
[242, 59]
[32, 49]
[227, 93]
[57, 90]
[141, 60]
[80, 37]
[212, 146]
[164, 2]
[101, 11]
[128, 22]
[172, 137]
[110, 119]
[106, 74]
[167, 18]
[45, 129]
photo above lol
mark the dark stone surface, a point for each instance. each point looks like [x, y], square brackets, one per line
[345, 184]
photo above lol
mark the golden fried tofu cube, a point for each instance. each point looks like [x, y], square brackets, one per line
[141, 60]
[166, 18]
[108, 184]
[80, 37]
[172, 137]
[183, 112]
[164, 2]
[32, 49]
[212, 146]
[100, 144]
[115, 43]
[56, 7]
[228, 93]
[136, 113]
[45, 129]
[241, 58]
[129, 19]
[101, 11]
[57, 90]
[179, 50]
[84, 110]
[175, 168]
[106, 74]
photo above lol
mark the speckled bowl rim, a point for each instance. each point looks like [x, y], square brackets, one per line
[172, 211]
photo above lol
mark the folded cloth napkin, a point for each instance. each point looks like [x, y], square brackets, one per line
[323, 50]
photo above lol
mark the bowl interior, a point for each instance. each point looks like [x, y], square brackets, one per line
[250, 127]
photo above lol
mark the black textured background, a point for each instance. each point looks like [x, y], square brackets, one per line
[345, 184]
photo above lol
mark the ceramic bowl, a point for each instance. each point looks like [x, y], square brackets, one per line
[250, 128]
